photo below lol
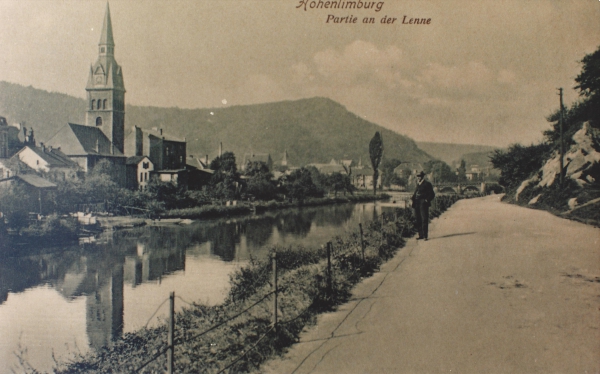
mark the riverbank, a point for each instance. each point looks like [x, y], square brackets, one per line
[238, 333]
[175, 216]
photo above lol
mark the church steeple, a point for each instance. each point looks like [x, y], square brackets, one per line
[106, 89]
[107, 43]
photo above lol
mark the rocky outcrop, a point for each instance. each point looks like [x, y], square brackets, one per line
[581, 162]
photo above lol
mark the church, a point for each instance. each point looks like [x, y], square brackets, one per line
[136, 157]
[102, 137]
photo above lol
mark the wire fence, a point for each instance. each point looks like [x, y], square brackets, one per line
[335, 257]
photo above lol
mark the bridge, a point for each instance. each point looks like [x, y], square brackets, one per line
[467, 186]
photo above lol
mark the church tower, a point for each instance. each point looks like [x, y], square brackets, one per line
[106, 90]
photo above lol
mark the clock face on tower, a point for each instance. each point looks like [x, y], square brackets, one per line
[99, 78]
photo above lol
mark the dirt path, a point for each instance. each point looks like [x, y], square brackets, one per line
[497, 289]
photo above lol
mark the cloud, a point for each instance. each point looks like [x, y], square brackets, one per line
[362, 62]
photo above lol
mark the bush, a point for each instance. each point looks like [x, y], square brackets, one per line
[519, 163]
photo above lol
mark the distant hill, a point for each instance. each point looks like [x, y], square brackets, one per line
[451, 153]
[311, 130]
[477, 158]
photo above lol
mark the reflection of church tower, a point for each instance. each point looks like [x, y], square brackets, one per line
[105, 307]
[3, 139]
[106, 90]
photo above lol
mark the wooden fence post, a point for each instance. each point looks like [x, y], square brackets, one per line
[171, 351]
[381, 242]
[329, 287]
[362, 243]
[274, 262]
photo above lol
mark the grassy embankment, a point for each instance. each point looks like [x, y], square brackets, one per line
[237, 336]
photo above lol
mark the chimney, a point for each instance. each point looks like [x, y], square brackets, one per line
[160, 131]
[206, 160]
[220, 149]
[43, 147]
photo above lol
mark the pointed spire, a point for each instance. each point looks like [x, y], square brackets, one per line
[106, 38]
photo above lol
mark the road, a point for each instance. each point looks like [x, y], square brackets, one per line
[497, 289]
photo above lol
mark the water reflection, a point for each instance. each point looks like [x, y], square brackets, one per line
[120, 275]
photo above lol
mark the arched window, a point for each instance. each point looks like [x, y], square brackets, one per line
[93, 103]
[104, 104]
[98, 121]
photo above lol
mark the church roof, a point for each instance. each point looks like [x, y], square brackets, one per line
[80, 140]
[106, 38]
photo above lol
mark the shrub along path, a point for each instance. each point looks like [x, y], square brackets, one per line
[497, 288]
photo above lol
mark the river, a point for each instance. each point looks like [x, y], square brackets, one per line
[82, 297]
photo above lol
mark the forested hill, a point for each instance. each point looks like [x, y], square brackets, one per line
[311, 130]
[451, 153]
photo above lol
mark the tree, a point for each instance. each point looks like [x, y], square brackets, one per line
[259, 183]
[588, 81]
[387, 167]
[587, 108]
[224, 181]
[376, 153]
[340, 182]
[462, 171]
[299, 185]
[519, 163]
[440, 170]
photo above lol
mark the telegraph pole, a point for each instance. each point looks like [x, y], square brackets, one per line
[562, 150]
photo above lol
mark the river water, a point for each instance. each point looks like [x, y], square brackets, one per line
[82, 297]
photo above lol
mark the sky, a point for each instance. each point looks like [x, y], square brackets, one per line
[481, 72]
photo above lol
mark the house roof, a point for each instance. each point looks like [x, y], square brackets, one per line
[163, 135]
[131, 134]
[408, 166]
[195, 163]
[53, 157]
[35, 181]
[194, 169]
[330, 168]
[169, 171]
[134, 160]
[364, 171]
[78, 140]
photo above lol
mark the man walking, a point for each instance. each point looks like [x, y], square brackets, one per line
[421, 201]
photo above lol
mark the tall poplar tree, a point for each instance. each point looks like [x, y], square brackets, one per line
[376, 153]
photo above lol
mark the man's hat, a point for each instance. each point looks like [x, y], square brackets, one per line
[421, 174]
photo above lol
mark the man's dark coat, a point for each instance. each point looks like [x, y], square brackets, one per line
[424, 191]
[422, 199]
